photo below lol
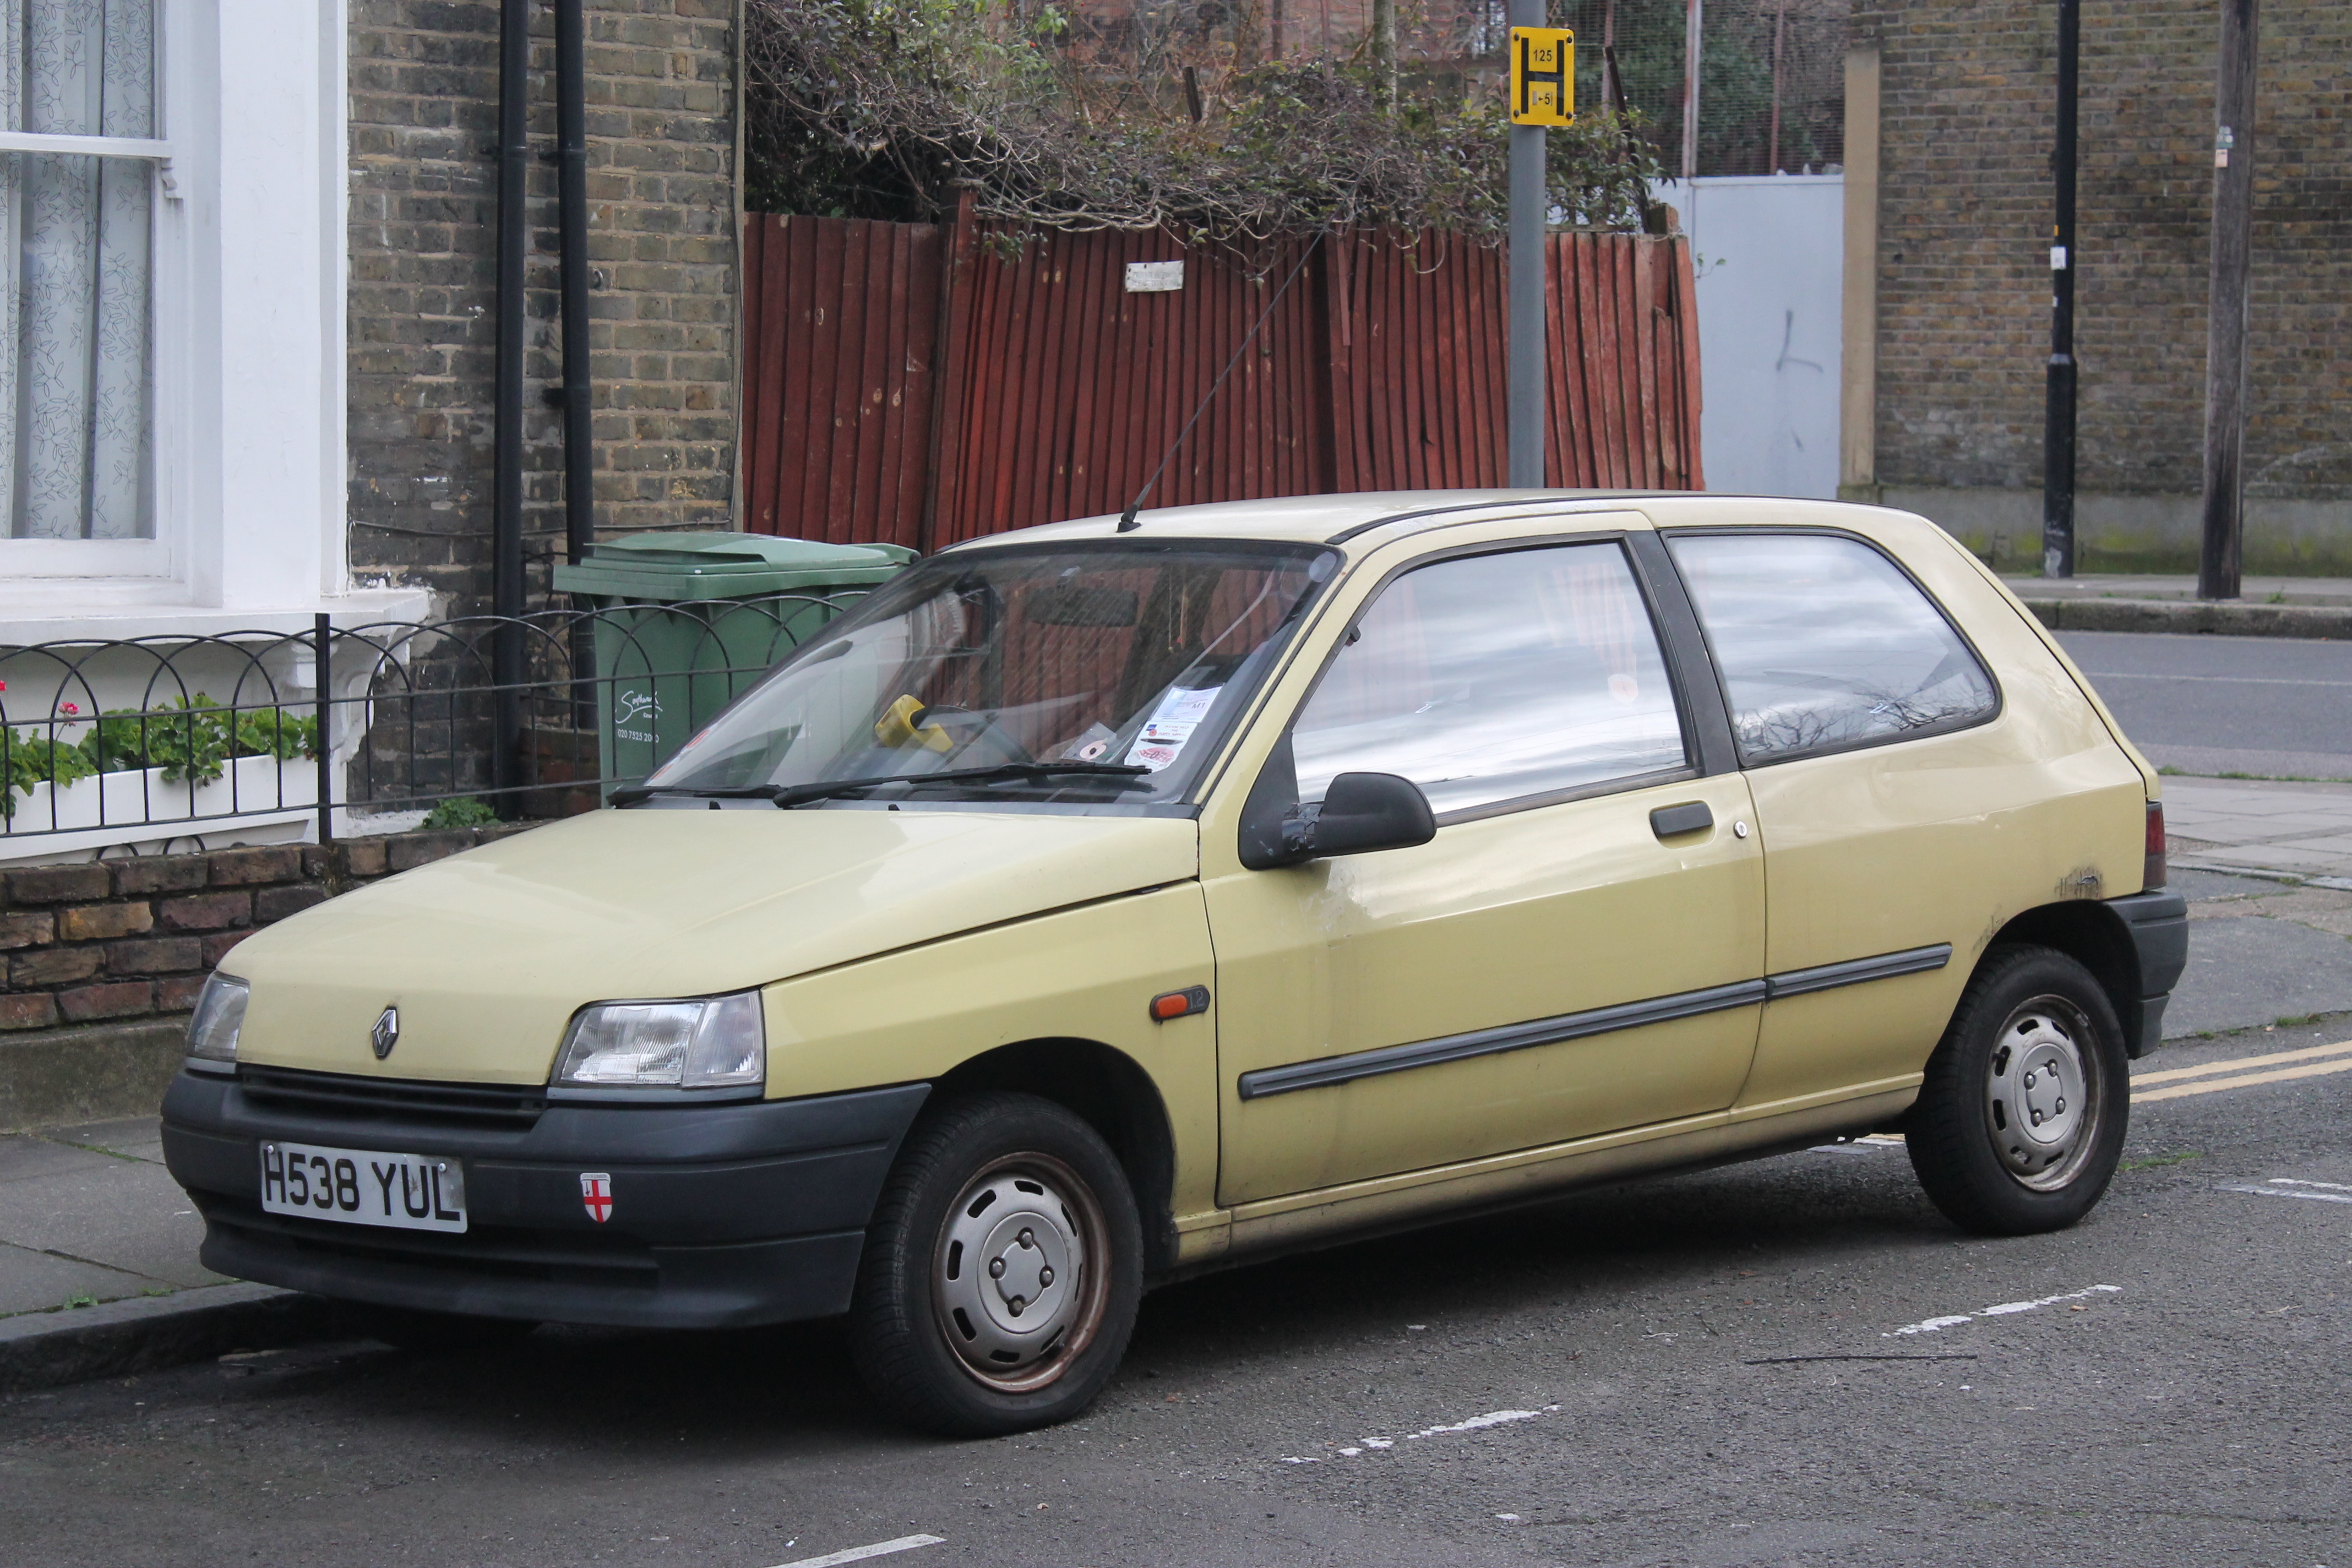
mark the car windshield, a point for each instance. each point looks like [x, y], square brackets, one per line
[1097, 673]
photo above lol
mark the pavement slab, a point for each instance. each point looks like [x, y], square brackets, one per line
[135, 1137]
[32, 1280]
[2295, 829]
[114, 1210]
[25, 1157]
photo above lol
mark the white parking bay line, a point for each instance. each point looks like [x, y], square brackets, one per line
[860, 1554]
[1936, 1325]
[2334, 1198]
[1474, 1423]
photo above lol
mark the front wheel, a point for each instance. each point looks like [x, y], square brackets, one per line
[2020, 1121]
[1002, 1272]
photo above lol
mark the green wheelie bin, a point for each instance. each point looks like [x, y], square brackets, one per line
[685, 621]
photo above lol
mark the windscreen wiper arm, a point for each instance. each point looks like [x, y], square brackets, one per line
[635, 793]
[801, 794]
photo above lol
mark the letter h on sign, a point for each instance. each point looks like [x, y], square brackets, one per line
[1543, 76]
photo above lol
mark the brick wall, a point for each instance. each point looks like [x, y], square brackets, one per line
[107, 941]
[423, 320]
[1964, 221]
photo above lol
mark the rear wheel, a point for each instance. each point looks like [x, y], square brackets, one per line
[1002, 1271]
[2020, 1121]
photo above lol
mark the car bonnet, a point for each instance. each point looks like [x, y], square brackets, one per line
[487, 953]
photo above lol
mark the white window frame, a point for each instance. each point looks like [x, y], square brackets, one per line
[146, 563]
[248, 306]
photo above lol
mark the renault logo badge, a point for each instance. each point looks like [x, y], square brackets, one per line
[386, 1033]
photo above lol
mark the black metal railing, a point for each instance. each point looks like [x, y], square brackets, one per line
[135, 739]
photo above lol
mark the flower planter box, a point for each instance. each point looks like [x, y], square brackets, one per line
[131, 806]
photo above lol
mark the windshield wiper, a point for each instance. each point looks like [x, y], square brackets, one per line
[635, 793]
[801, 794]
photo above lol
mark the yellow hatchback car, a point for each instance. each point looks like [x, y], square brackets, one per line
[1096, 907]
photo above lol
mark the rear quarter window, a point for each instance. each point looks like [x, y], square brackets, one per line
[1824, 645]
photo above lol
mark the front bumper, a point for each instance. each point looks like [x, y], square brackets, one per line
[722, 1216]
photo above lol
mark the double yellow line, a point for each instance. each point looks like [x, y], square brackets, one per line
[2315, 1061]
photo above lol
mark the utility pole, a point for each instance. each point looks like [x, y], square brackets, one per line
[2058, 397]
[2225, 324]
[1543, 92]
[1694, 42]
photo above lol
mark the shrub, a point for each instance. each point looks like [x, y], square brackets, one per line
[465, 812]
[890, 109]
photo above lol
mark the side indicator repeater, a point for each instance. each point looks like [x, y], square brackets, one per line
[1179, 1003]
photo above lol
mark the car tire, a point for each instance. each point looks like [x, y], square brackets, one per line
[411, 1330]
[2020, 1122]
[1002, 1271]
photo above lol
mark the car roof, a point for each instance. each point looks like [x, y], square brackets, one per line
[1329, 518]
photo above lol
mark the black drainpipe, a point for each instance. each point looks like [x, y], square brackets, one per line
[506, 530]
[571, 190]
[571, 196]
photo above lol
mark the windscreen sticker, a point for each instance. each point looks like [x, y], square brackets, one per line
[1091, 746]
[1161, 739]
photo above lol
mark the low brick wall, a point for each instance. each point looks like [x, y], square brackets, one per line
[110, 940]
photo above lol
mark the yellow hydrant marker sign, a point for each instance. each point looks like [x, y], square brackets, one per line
[1543, 76]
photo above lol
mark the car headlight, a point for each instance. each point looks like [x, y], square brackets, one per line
[710, 1043]
[211, 1029]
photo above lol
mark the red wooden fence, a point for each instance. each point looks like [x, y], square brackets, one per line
[920, 385]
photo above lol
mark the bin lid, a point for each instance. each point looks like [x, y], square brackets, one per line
[716, 566]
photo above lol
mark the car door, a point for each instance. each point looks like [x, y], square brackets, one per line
[1906, 810]
[1576, 951]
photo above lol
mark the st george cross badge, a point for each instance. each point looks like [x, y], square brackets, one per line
[596, 1194]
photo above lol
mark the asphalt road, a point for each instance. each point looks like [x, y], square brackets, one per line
[2268, 706]
[1653, 1374]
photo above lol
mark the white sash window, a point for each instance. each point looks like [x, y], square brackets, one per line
[81, 165]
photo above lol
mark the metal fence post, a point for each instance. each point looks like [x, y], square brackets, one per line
[323, 631]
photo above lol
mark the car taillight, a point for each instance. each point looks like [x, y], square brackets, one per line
[2152, 873]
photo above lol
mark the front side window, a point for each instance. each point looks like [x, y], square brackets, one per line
[1825, 644]
[1496, 677]
[1088, 674]
[78, 155]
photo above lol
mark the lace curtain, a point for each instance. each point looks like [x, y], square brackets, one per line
[75, 360]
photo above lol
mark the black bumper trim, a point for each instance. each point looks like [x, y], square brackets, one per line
[2158, 924]
[741, 1285]
[722, 1216]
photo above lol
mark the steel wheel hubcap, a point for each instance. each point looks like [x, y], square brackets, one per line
[1016, 1294]
[2041, 1093]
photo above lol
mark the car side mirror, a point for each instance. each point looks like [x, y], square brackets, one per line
[1360, 813]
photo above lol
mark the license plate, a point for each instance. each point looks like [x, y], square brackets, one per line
[363, 1186]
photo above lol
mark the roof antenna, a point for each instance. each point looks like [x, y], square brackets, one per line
[1127, 523]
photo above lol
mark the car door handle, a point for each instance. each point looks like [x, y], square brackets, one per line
[1669, 820]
